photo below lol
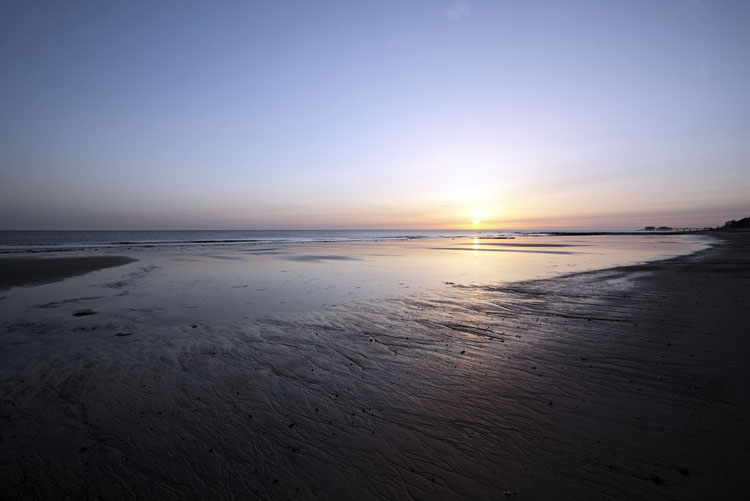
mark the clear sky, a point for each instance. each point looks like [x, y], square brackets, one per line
[374, 114]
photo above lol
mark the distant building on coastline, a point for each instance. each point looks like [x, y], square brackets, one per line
[660, 228]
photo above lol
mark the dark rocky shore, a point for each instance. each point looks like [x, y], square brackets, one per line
[627, 383]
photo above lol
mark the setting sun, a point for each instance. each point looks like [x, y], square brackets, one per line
[491, 231]
[476, 216]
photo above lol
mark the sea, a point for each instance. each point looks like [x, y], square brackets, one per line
[210, 275]
[41, 241]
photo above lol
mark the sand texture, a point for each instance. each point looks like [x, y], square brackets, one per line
[627, 383]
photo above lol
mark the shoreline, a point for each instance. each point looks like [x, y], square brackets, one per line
[628, 382]
[37, 266]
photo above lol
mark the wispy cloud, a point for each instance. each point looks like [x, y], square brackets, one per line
[461, 10]
[697, 8]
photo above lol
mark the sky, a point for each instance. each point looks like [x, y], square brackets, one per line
[374, 114]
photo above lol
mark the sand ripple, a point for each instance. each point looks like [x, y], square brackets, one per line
[609, 384]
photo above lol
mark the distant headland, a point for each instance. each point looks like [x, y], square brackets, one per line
[729, 225]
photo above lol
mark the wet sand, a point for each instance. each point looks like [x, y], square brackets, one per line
[626, 383]
[20, 271]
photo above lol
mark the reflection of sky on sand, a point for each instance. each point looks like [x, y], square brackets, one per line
[198, 284]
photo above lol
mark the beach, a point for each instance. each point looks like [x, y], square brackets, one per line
[19, 271]
[614, 382]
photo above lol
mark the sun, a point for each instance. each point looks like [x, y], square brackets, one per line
[477, 216]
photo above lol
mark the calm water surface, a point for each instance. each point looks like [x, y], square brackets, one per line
[197, 282]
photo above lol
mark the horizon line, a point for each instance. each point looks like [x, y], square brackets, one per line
[642, 228]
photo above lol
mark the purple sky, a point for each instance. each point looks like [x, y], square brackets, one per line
[420, 114]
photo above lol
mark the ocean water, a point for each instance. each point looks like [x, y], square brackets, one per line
[233, 276]
[61, 240]
[24, 241]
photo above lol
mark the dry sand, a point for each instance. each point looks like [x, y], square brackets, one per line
[624, 383]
